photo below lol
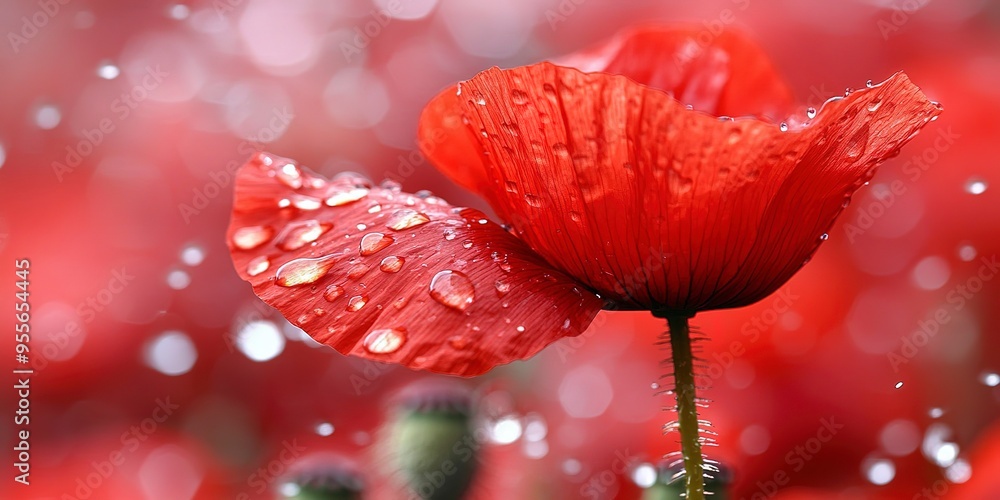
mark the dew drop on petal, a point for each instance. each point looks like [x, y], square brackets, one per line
[976, 186]
[391, 264]
[385, 341]
[333, 292]
[519, 97]
[458, 342]
[303, 271]
[289, 175]
[899, 384]
[356, 303]
[373, 242]
[302, 202]
[811, 113]
[783, 127]
[935, 412]
[358, 270]
[248, 238]
[857, 144]
[405, 219]
[344, 197]
[532, 200]
[874, 105]
[990, 379]
[303, 233]
[258, 265]
[453, 289]
[503, 287]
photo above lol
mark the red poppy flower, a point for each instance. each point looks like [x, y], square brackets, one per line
[621, 195]
[653, 175]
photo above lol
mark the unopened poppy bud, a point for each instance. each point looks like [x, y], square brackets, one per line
[323, 481]
[433, 443]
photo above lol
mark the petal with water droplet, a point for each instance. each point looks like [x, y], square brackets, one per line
[673, 213]
[365, 292]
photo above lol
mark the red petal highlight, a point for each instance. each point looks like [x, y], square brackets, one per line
[393, 277]
[661, 207]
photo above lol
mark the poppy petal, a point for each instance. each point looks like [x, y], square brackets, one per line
[661, 207]
[389, 276]
[443, 141]
[723, 74]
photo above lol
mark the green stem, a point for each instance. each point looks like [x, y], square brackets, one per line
[687, 411]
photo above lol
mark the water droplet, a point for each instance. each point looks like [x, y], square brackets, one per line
[192, 255]
[824, 237]
[458, 342]
[467, 244]
[258, 265]
[250, 237]
[108, 71]
[899, 384]
[47, 116]
[303, 271]
[783, 127]
[935, 412]
[654, 386]
[373, 242]
[376, 208]
[879, 471]
[346, 196]
[869, 84]
[857, 144]
[333, 292]
[303, 233]
[284, 203]
[289, 175]
[449, 234]
[532, 200]
[358, 270]
[967, 253]
[302, 202]
[480, 100]
[502, 286]
[575, 217]
[976, 186]
[520, 328]
[324, 429]
[356, 303]
[990, 379]
[453, 289]
[874, 105]
[391, 264]
[385, 341]
[811, 113]
[519, 97]
[405, 219]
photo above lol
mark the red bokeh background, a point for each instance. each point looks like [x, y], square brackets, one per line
[121, 124]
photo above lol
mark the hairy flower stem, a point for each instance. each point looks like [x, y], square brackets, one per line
[687, 412]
